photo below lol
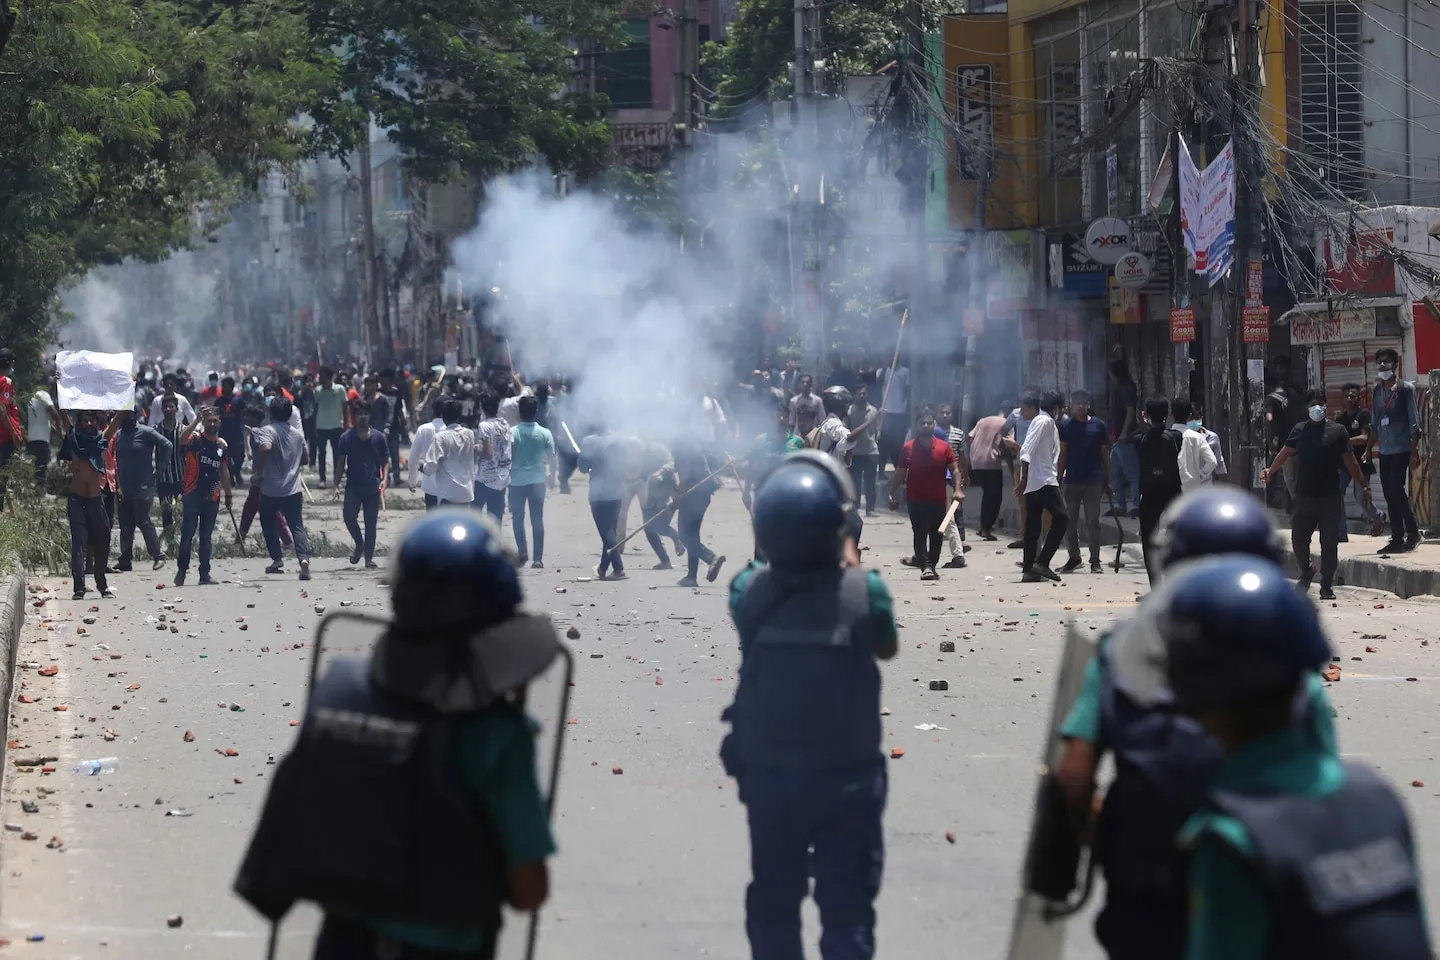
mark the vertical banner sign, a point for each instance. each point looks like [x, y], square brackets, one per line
[1255, 325]
[1190, 212]
[1207, 211]
[974, 83]
[1112, 180]
[1182, 324]
[1255, 284]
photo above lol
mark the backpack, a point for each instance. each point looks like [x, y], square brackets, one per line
[813, 438]
[1160, 458]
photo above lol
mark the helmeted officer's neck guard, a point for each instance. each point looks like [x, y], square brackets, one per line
[461, 674]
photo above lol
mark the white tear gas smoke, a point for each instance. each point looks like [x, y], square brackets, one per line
[633, 319]
[166, 308]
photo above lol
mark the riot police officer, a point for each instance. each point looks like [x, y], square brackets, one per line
[1293, 853]
[805, 743]
[1163, 759]
[409, 809]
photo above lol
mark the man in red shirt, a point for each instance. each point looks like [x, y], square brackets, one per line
[922, 467]
[11, 435]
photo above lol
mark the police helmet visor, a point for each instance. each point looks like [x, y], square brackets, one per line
[458, 676]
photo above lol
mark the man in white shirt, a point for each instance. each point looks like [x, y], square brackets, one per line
[450, 459]
[1197, 460]
[510, 406]
[186, 412]
[1040, 479]
[40, 421]
[492, 457]
[424, 436]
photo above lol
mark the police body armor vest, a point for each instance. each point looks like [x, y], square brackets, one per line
[809, 692]
[366, 817]
[1341, 871]
[1164, 763]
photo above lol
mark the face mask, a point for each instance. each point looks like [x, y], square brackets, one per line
[1317, 414]
[1193, 424]
[1387, 374]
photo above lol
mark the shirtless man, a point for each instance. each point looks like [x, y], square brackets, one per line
[84, 447]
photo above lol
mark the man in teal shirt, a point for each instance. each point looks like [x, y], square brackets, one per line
[1294, 853]
[532, 451]
[330, 400]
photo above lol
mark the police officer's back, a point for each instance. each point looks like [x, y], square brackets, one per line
[805, 748]
[410, 809]
[1164, 760]
[1295, 853]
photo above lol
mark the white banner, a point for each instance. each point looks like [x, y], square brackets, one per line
[1207, 211]
[95, 381]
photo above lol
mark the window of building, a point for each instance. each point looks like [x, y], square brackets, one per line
[1110, 55]
[624, 74]
[1332, 130]
[1057, 68]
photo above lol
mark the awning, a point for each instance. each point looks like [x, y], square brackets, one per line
[1338, 306]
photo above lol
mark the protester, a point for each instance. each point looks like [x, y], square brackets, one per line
[1393, 401]
[451, 458]
[1158, 446]
[601, 458]
[185, 411]
[231, 408]
[922, 467]
[137, 449]
[494, 461]
[661, 487]
[1040, 480]
[957, 481]
[424, 436]
[1357, 423]
[279, 453]
[1323, 451]
[987, 467]
[360, 462]
[806, 409]
[698, 483]
[330, 403]
[169, 471]
[43, 422]
[1084, 468]
[206, 479]
[895, 397]
[11, 434]
[84, 449]
[865, 455]
[532, 454]
[1198, 462]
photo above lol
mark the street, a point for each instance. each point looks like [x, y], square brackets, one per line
[200, 686]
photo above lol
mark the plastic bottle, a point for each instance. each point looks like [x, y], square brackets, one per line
[90, 768]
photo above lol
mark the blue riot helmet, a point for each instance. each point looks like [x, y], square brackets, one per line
[1215, 520]
[1231, 629]
[458, 639]
[801, 510]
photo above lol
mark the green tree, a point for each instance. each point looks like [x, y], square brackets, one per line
[461, 86]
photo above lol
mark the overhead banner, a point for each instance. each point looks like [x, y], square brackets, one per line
[1207, 211]
[95, 381]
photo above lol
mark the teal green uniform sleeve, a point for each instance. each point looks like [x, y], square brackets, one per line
[739, 585]
[1083, 720]
[882, 610]
[498, 765]
[1228, 901]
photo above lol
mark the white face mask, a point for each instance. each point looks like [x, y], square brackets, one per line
[1387, 374]
[1317, 413]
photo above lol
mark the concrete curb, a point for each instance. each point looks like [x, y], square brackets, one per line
[1403, 581]
[12, 618]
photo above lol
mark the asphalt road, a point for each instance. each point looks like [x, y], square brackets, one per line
[653, 861]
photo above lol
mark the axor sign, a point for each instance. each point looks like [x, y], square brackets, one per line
[1132, 270]
[1108, 239]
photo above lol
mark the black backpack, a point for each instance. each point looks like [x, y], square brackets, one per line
[1160, 458]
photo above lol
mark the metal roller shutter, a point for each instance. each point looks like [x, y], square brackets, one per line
[1342, 363]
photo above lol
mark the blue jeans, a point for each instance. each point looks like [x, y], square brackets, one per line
[490, 500]
[290, 508]
[840, 814]
[1367, 510]
[532, 494]
[355, 501]
[1125, 473]
[198, 512]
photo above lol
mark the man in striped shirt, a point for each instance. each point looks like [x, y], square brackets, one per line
[170, 470]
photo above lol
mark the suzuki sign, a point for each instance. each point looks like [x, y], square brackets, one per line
[1108, 239]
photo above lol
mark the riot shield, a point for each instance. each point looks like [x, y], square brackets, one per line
[1053, 853]
[349, 633]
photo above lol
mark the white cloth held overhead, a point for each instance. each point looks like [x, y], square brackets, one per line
[95, 381]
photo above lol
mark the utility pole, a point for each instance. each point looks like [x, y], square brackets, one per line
[687, 65]
[917, 163]
[369, 272]
[808, 192]
[977, 286]
[1245, 83]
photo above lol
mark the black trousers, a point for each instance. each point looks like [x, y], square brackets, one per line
[1048, 500]
[688, 520]
[992, 488]
[1153, 501]
[1310, 513]
[1394, 471]
[863, 470]
[89, 539]
[607, 514]
[925, 527]
[349, 940]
